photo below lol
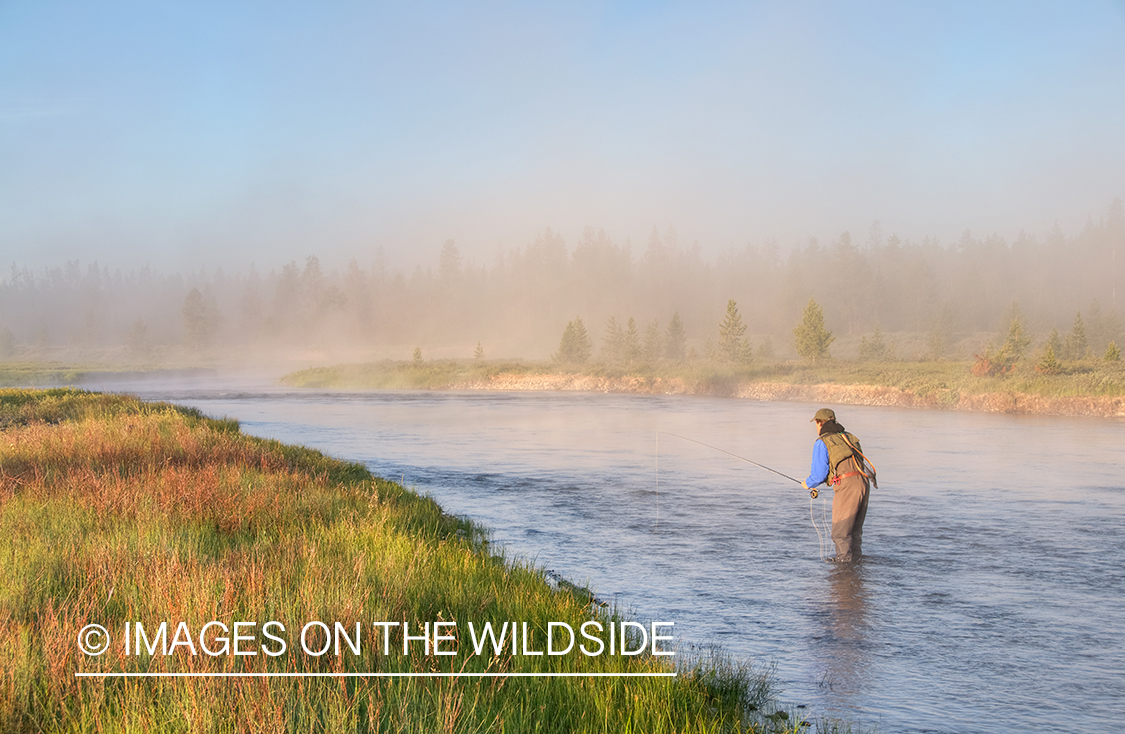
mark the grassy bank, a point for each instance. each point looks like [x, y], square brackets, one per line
[55, 374]
[20, 374]
[390, 375]
[119, 511]
[1089, 387]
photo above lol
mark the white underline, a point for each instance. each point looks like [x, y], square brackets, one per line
[375, 675]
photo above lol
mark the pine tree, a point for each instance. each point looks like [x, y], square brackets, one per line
[417, 356]
[1076, 343]
[811, 339]
[733, 347]
[654, 342]
[1055, 343]
[1015, 344]
[631, 342]
[575, 345]
[479, 353]
[1112, 353]
[613, 342]
[1048, 364]
[675, 345]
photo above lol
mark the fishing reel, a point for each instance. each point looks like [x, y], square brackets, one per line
[814, 493]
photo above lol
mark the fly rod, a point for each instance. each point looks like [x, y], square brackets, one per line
[724, 451]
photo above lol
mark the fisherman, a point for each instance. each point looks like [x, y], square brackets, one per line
[839, 460]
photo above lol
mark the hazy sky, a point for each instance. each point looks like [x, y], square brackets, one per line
[207, 133]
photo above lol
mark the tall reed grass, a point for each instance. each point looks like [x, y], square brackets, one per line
[113, 510]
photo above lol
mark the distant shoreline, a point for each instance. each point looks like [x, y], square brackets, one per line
[831, 393]
[1088, 389]
[1092, 390]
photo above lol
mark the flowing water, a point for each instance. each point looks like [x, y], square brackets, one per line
[991, 598]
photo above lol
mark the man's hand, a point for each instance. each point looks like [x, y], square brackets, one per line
[804, 484]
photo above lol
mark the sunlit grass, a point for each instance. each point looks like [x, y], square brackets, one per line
[43, 373]
[39, 373]
[390, 375]
[942, 382]
[113, 510]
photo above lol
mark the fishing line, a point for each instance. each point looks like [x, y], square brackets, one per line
[724, 451]
[827, 535]
[812, 517]
[824, 520]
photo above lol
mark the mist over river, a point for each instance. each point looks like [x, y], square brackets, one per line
[991, 599]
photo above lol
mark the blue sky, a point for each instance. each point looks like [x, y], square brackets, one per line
[224, 133]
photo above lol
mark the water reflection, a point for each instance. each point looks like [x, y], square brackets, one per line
[845, 640]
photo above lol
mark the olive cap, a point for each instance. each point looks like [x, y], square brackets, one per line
[824, 414]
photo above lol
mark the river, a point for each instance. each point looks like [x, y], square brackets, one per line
[991, 598]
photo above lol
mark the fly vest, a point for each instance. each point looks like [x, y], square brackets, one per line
[838, 454]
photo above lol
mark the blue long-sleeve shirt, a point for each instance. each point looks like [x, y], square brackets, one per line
[819, 471]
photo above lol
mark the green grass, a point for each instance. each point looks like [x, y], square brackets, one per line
[945, 381]
[116, 511]
[405, 375]
[1094, 378]
[21, 374]
[40, 374]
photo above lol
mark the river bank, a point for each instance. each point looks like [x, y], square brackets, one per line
[1096, 391]
[830, 393]
[126, 513]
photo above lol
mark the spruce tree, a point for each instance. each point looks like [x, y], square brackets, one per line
[1076, 343]
[1015, 344]
[654, 342]
[1055, 343]
[631, 342]
[675, 345]
[575, 345]
[1112, 353]
[734, 347]
[479, 353]
[811, 339]
[1048, 363]
[613, 342]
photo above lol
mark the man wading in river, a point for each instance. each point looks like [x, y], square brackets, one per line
[838, 458]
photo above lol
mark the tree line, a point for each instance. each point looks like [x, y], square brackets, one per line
[882, 298]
